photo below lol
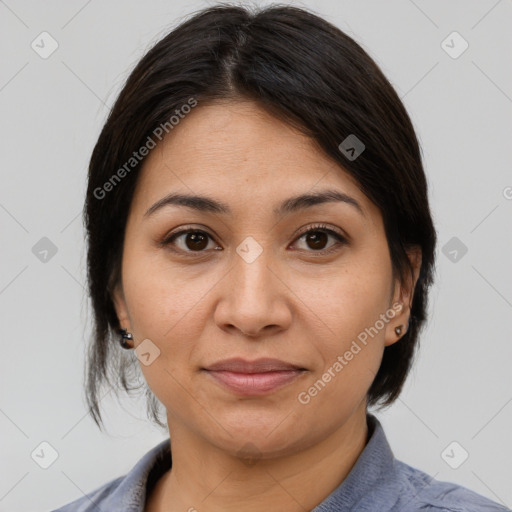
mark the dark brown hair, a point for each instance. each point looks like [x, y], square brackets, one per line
[304, 71]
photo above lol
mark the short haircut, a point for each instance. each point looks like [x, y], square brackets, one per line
[302, 70]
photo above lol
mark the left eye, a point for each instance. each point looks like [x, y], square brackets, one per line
[317, 238]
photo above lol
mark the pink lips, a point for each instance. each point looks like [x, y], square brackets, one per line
[253, 377]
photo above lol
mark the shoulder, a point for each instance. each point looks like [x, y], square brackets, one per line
[93, 501]
[421, 492]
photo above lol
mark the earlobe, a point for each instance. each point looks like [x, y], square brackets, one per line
[397, 327]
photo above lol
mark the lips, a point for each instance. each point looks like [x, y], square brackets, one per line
[257, 377]
[239, 365]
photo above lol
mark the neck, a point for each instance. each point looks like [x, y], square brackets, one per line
[204, 478]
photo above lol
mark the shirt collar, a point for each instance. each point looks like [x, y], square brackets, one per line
[130, 493]
[371, 478]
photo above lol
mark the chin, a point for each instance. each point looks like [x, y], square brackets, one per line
[271, 433]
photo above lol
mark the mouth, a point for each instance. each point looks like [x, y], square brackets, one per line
[253, 378]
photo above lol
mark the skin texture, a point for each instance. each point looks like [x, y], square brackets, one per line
[296, 302]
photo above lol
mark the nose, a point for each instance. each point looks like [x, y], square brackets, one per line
[255, 298]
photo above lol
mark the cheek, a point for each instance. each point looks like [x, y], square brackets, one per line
[354, 313]
[351, 349]
[167, 306]
[347, 301]
[161, 296]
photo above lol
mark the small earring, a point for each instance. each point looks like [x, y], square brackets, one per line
[398, 330]
[125, 335]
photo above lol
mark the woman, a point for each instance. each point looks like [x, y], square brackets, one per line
[260, 237]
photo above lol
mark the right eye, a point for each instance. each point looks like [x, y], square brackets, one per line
[189, 240]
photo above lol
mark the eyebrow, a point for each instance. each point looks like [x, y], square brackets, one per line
[290, 205]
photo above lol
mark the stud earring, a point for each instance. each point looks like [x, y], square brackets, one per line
[398, 330]
[125, 336]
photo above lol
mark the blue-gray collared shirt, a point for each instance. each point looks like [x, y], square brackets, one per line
[377, 483]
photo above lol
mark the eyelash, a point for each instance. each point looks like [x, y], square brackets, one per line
[341, 240]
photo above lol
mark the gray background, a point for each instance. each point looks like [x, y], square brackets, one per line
[52, 111]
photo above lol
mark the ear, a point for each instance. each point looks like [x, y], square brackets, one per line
[120, 306]
[403, 294]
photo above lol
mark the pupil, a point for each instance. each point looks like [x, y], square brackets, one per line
[197, 241]
[317, 238]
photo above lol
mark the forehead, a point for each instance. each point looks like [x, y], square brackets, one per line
[242, 155]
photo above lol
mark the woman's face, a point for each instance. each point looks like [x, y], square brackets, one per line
[250, 283]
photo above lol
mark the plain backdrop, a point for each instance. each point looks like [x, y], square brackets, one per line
[52, 110]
